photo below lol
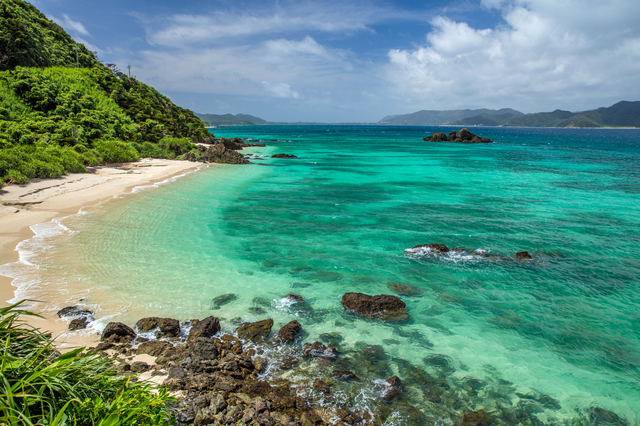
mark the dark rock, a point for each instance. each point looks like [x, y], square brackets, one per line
[295, 298]
[318, 350]
[345, 375]
[223, 300]
[177, 373]
[405, 289]
[255, 331]
[283, 156]
[289, 332]
[348, 416]
[189, 156]
[140, 367]
[169, 327]
[433, 248]
[394, 388]
[601, 417]
[218, 405]
[207, 327]
[154, 348]
[476, 418]
[322, 386]
[204, 348]
[78, 323]
[219, 154]
[259, 363]
[103, 346]
[74, 311]
[522, 255]
[118, 332]
[463, 136]
[382, 306]
[204, 416]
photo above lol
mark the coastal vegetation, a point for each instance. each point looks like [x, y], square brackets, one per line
[62, 110]
[41, 386]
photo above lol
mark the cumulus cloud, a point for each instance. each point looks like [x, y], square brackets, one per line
[546, 53]
[280, 90]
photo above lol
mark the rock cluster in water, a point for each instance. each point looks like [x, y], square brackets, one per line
[283, 156]
[441, 249]
[382, 306]
[221, 151]
[463, 136]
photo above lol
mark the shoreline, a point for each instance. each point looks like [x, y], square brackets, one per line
[43, 200]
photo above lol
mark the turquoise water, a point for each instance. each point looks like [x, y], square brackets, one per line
[555, 340]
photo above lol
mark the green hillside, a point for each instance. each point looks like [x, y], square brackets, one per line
[230, 119]
[60, 113]
[622, 114]
[435, 118]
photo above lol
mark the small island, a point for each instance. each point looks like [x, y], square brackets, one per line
[463, 136]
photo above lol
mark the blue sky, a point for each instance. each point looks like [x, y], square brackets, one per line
[358, 61]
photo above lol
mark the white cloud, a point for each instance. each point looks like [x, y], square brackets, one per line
[70, 25]
[280, 90]
[548, 54]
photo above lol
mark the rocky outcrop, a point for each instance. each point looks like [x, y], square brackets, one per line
[463, 136]
[283, 156]
[207, 327]
[255, 331]
[74, 311]
[167, 327]
[523, 255]
[220, 154]
[117, 332]
[78, 323]
[289, 332]
[383, 306]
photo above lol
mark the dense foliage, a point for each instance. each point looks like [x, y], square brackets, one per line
[59, 113]
[41, 386]
[29, 39]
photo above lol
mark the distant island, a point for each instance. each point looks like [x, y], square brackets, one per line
[230, 119]
[622, 114]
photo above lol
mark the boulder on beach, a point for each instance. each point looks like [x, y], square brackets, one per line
[382, 306]
[207, 327]
[78, 323]
[117, 332]
[168, 327]
[289, 332]
[74, 311]
[154, 348]
[463, 136]
[255, 331]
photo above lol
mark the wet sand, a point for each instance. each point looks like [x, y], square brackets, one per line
[42, 200]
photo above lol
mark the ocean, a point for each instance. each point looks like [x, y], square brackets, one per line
[552, 340]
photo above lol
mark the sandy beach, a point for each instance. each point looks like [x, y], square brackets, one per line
[42, 200]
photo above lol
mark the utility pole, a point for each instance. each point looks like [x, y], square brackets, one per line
[77, 62]
[129, 68]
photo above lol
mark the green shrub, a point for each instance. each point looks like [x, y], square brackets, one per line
[41, 386]
[116, 151]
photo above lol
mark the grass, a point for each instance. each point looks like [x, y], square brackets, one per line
[41, 386]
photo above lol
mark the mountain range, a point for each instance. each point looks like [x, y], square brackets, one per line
[230, 119]
[622, 114]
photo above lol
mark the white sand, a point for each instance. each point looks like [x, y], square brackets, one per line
[22, 206]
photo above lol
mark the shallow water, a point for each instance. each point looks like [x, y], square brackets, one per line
[556, 336]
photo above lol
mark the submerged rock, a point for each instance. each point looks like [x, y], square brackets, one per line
[476, 418]
[382, 306]
[405, 289]
[223, 299]
[117, 332]
[168, 327]
[255, 331]
[394, 388]
[463, 136]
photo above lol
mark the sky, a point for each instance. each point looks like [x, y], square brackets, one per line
[359, 61]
